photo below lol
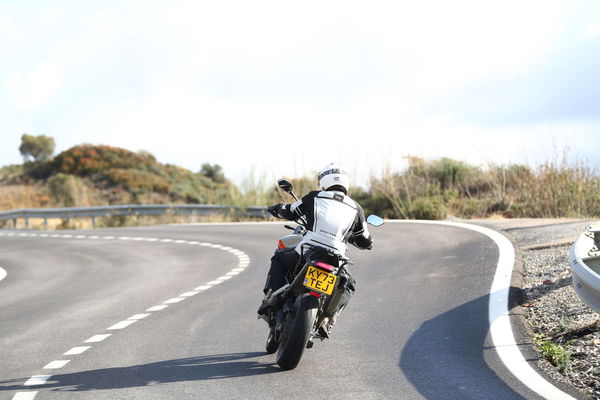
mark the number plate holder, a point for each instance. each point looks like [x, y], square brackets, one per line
[318, 280]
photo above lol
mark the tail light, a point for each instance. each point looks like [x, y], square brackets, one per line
[324, 266]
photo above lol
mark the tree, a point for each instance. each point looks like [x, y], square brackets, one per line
[36, 148]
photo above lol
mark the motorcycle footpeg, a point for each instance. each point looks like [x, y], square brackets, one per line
[310, 344]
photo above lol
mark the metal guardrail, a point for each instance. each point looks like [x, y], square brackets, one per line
[124, 210]
[584, 259]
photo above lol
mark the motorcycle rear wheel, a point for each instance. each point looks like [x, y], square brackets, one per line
[296, 331]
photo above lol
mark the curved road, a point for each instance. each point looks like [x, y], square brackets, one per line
[82, 316]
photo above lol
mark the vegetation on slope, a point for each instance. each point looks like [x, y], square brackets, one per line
[426, 189]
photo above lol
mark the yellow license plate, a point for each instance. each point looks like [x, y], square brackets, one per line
[319, 280]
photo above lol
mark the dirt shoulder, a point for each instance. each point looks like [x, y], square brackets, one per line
[563, 330]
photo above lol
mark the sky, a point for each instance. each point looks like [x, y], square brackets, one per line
[275, 88]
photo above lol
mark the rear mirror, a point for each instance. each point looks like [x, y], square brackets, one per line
[284, 185]
[375, 220]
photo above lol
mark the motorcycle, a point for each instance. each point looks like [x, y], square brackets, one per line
[312, 297]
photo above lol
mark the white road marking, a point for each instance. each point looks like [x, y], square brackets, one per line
[56, 364]
[243, 261]
[24, 396]
[137, 317]
[98, 338]
[122, 324]
[499, 318]
[37, 380]
[76, 350]
[174, 300]
[157, 308]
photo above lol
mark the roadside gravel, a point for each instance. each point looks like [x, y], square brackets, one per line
[566, 332]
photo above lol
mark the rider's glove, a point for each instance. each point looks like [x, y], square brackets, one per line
[274, 210]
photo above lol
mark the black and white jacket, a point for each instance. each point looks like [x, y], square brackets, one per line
[333, 219]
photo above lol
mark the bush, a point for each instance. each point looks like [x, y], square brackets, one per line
[428, 208]
[68, 190]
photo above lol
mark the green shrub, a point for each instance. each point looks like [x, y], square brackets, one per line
[428, 208]
[68, 190]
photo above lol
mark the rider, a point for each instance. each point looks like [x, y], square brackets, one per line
[332, 220]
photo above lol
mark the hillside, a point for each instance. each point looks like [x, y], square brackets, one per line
[87, 175]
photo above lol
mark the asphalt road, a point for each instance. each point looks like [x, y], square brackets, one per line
[416, 328]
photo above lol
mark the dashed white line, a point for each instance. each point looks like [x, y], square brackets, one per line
[137, 317]
[24, 396]
[37, 380]
[157, 308]
[189, 294]
[98, 338]
[76, 350]
[122, 324]
[56, 364]
[243, 262]
[174, 300]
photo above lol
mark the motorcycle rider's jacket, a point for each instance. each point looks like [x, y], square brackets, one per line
[332, 220]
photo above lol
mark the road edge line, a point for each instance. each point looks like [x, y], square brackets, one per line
[501, 331]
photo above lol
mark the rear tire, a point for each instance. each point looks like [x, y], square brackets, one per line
[296, 331]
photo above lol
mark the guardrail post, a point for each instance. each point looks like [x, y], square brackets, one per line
[46, 223]
[14, 223]
[26, 223]
[94, 222]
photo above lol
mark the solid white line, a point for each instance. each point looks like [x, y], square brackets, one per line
[56, 364]
[213, 283]
[122, 324]
[500, 328]
[203, 288]
[37, 380]
[76, 350]
[224, 277]
[2, 273]
[97, 338]
[24, 396]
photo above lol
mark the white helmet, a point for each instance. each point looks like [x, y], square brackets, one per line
[332, 175]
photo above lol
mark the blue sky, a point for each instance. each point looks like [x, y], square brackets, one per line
[280, 88]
